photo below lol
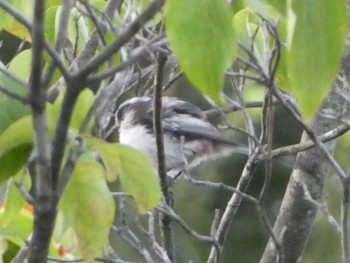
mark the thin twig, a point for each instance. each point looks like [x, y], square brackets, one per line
[166, 221]
[60, 40]
[231, 209]
[303, 146]
[125, 36]
[266, 137]
[170, 212]
[23, 252]
[129, 237]
[221, 186]
[157, 248]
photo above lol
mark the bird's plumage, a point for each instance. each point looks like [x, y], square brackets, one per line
[188, 136]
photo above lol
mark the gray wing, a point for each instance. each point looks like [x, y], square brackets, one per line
[185, 119]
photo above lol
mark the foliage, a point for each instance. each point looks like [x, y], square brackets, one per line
[255, 46]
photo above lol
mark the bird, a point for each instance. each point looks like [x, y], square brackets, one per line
[189, 138]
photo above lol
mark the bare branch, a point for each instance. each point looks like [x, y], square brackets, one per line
[170, 212]
[166, 221]
[221, 186]
[304, 145]
[45, 199]
[91, 46]
[123, 38]
[231, 209]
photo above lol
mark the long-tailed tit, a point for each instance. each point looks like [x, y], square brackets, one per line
[188, 136]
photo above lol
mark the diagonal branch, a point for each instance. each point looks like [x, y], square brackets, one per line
[122, 39]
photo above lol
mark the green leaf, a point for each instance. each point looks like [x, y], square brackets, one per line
[50, 27]
[10, 24]
[82, 107]
[16, 141]
[250, 35]
[138, 178]
[15, 145]
[263, 9]
[278, 4]
[19, 133]
[316, 47]
[11, 109]
[201, 36]
[21, 65]
[109, 155]
[13, 160]
[135, 171]
[19, 228]
[78, 32]
[88, 207]
[14, 200]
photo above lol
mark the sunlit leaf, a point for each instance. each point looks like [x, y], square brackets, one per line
[135, 171]
[10, 24]
[78, 31]
[19, 228]
[263, 9]
[82, 107]
[138, 178]
[21, 65]
[316, 47]
[201, 36]
[280, 5]
[50, 27]
[88, 207]
[109, 155]
[14, 200]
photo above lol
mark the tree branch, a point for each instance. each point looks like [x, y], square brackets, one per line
[304, 145]
[122, 39]
[166, 220]
[231, 209]
[27, 24]
[45, 199]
